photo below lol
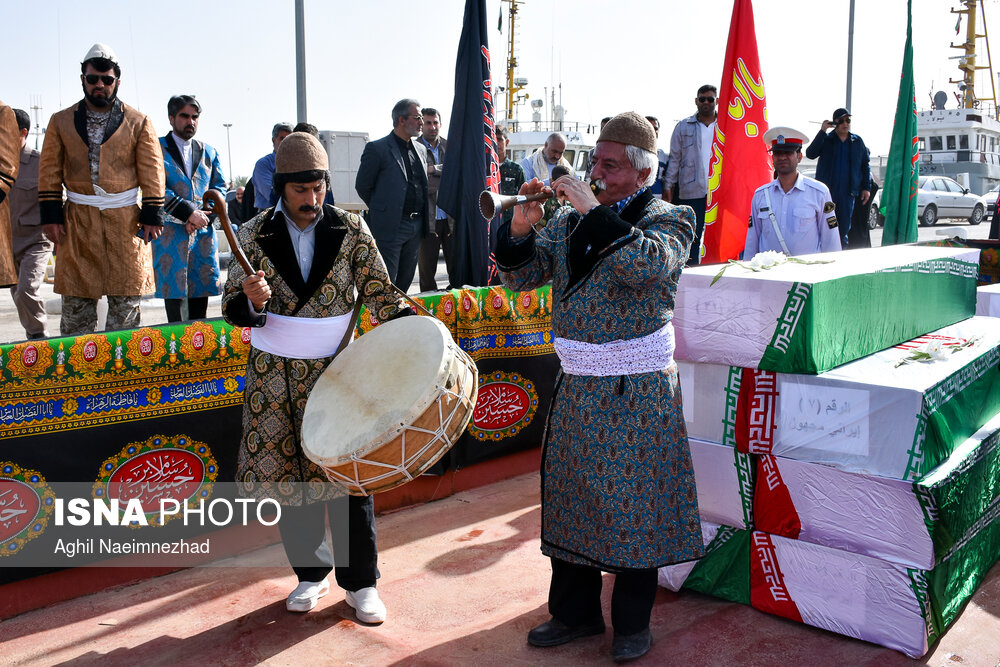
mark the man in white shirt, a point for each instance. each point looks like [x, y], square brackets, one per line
[793, 214]
[687, 167]
[540, 163]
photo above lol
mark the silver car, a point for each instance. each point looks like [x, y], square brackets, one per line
[941, 197]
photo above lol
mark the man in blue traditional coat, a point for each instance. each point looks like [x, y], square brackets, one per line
[618, 490]
[186, 256]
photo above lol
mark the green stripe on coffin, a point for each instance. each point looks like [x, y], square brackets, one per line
[809, 318]
[956, 578]
[724, 570]
[888, 307]
[956, 495]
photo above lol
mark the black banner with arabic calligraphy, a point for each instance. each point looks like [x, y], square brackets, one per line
[509, 335]
[155, 411]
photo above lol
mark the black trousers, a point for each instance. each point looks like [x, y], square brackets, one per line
[400, 252]
[303, 534]
[439, 238]
[575, 596]
[197, 308]
[699, 213]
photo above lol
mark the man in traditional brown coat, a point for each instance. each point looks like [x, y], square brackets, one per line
[105, 153]
[10, 160]
[311, 258]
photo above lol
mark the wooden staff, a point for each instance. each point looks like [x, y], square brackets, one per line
[219, 208]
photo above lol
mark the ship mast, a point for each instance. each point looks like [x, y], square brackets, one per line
[967, 62]
[514, 85]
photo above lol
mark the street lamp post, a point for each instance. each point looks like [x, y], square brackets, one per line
[229, 150]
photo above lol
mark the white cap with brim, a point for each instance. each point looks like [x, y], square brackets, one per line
[101, 51]
[784, 139]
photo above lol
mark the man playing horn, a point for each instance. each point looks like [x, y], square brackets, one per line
[311, 258]
[618, 491]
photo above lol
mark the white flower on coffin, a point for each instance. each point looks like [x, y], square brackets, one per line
[767, 259]
[934, 350]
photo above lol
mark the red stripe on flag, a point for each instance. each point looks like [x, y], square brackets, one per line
[773, 509]
[768, 592]
[739, 162]
[756, 411]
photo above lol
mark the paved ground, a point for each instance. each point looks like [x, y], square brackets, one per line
[463, 580]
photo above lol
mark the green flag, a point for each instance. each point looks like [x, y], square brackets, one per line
[899, 193]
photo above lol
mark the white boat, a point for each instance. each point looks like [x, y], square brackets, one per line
[964, 143]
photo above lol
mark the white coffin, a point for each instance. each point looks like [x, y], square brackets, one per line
[911, 523]
[796, 318]
[988, 300]
[871, 416]
[724, 478]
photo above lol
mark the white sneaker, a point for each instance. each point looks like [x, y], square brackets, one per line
[306, 595]
[367, 605]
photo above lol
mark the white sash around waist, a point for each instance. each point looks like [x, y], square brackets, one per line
[648, 354]
[103, 200]
[301, 337]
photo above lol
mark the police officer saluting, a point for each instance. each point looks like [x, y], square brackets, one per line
[793, 214]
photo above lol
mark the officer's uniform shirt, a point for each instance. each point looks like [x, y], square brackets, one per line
[805, 215]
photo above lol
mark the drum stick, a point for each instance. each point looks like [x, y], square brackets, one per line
[416, 303]
[219, 208]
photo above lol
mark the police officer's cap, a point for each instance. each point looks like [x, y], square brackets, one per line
[784, 139]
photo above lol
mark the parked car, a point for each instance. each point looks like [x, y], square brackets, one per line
[989, 200]
[941, 197]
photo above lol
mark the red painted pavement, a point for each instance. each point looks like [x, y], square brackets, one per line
[463, 581]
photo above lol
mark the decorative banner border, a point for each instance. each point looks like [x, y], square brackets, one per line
[14, 478]
[154, 469]
[506, 404]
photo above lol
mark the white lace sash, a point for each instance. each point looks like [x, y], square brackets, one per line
[648, 354]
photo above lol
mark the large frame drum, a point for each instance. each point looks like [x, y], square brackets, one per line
[390, 405]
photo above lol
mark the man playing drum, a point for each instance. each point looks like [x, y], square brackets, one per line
[311, 259]
[618, 491]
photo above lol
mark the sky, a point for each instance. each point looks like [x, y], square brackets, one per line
[601, 57]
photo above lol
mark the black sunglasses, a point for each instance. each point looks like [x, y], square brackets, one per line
[92, 79]
[703, 100]
[843, 119]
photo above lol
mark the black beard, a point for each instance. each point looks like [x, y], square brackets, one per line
[101, 102]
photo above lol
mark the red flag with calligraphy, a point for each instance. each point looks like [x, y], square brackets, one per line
[740, 162]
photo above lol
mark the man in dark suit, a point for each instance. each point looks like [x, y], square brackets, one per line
[392, 181]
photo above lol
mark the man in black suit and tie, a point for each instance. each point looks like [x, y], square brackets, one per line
[392, 181]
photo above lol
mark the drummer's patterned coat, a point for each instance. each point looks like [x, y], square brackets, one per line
[618, 486]
[270, 459]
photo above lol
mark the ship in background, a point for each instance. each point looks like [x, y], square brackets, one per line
[526, 136]
[964, 142]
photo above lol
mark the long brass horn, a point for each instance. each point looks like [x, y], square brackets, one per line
[491, 202]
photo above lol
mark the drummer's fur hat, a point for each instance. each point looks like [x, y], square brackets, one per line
[300, 151]
[631, 129]
[300, 159]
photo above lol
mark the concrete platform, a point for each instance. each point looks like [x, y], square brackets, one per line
[463, 580]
